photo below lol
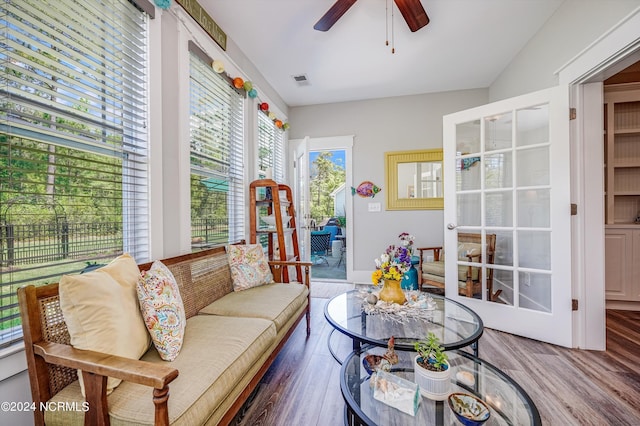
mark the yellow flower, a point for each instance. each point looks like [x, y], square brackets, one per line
[376, 276]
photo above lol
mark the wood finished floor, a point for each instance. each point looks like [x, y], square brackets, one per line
[569, 386]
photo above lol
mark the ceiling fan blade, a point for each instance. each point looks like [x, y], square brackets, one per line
[413, 12]
[333, 14]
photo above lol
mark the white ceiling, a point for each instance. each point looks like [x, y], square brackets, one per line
[467, 44]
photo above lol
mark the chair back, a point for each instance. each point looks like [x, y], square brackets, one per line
[320, 242]
[333, 231]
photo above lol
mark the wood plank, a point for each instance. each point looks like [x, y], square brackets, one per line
[569, 386]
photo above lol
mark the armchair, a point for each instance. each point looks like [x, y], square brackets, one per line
[469, 277]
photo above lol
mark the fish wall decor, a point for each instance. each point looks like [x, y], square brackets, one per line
[466, 163]
[366, 189]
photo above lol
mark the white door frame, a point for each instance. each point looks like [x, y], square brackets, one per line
[344, 143]
[611, 53]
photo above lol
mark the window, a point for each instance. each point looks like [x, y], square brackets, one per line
[217, 163]
[73, 142]
[270, 148]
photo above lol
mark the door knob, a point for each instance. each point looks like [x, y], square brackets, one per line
[451, 226]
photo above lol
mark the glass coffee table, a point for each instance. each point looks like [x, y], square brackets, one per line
[453, 323]
[508, 402]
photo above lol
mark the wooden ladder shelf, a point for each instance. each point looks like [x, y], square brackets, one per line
[268, 198]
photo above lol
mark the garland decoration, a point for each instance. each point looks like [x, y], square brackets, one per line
[247, 86]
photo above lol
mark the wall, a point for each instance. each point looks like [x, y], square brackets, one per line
[381, 125]
[575, 25]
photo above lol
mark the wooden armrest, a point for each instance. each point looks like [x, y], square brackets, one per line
[280, 266]
[429, 248]
[436, 253]
[131, 370]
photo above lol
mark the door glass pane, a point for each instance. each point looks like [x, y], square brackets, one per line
[535, 291]
[534, 208]
[467, 174]
[470, 250]
[498, 171]
[497, 131]
[532, 166]
[504, 247]
[534, 249]
[469, 209]
[532, 126]
[501, 286]
[468, 137]
[499, 208]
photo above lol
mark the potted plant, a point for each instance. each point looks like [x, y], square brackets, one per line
[432, 369]
[342, 223]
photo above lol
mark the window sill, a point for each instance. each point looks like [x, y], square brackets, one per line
[12, 361]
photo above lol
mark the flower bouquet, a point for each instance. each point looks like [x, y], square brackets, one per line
[406, 241]
[392, 264]
[390, 268]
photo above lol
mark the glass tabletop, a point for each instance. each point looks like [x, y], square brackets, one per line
[508, 402]
[453, 323]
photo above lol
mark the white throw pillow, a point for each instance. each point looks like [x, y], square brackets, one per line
[102, 312]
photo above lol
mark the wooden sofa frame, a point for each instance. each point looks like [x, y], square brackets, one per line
[52, 362]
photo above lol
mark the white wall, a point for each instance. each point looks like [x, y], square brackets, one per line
[575, 25]
[381, 125]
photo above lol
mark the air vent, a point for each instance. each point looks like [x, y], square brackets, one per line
[301, 79]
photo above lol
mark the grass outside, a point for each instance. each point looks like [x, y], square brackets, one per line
[15, 276]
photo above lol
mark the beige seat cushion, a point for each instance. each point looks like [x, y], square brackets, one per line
[216, 353]
[435, 271]
[275, 302]
[102, 312]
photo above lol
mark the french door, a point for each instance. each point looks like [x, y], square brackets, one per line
[299, 153]
[507, 182]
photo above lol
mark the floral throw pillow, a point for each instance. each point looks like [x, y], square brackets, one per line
[162, 309]
[249, 266]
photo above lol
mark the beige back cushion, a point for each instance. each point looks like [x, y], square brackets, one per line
[469, 249]
[102, 312]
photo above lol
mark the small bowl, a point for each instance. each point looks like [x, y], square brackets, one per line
[271, 220]
[469, 410]
[371, 363]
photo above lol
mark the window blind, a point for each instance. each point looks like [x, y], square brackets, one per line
[217, 157]
[73, 141]
[270, 148]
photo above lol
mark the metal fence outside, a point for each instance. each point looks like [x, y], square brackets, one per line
[209, 232]
[42, 243]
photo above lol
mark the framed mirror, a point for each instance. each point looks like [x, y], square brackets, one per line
[414, 180]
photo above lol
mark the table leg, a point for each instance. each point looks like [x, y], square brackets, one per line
[439, 413]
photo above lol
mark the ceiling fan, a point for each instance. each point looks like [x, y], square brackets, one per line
[411, 10]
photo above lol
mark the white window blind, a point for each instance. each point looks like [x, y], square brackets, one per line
[73, 141]
[270, 148]
[217, 157]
